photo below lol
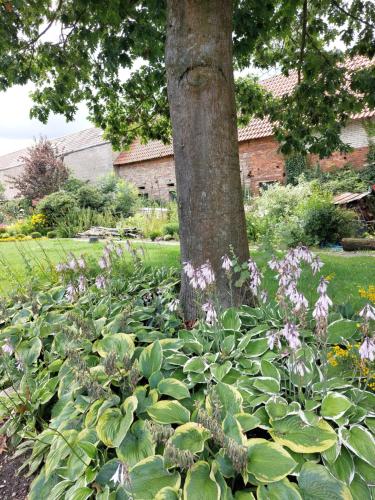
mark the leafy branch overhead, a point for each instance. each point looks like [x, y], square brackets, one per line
[82, 50]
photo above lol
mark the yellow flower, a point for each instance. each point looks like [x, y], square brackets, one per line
[330, 277]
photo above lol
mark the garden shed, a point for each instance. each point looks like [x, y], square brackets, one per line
[363, 203]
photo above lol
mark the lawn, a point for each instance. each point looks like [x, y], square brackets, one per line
[19, 260]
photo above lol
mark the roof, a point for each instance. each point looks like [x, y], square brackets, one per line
[344, 198]
[65, 145]
[278, 85]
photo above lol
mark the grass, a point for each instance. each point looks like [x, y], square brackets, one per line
[20, 260]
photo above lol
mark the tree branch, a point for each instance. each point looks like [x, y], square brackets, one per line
[349, 14]
[303, 39]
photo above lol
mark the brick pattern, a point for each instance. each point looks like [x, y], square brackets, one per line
[357, 158]
[154, 178]
[260, 163]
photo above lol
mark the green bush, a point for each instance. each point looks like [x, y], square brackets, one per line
[339, 180]
[125, 200]
[295, 166]
[154, 234]
[35, 235]
[52, 234]
[368, 172]
[72, 185]
[327, 223]
[15, 209]
[90, 197]
[172, 228]
[252, 228]
[56, 206]
[148, 224]
[23, 226]
[81, 219]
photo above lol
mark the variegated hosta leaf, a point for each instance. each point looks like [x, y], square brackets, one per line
[267, 461]
[316, 483]
[150, 476]
[173, 388]
[120, 343]
[281, 490]
[201, 483]
[302, 437]
[190, 437]
[361, 442]
[169, 412]
[151, 359]
[334, 405]
[112, 425]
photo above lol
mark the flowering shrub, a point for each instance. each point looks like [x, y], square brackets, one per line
[39, 222]
[116, 399]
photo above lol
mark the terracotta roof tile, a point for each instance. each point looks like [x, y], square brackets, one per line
[279, 85]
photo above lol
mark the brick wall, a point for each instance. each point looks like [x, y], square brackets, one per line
[260, 163]
[154, 178]
[259, 160]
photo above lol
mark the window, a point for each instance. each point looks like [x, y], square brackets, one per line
[170, 184]
[263, 186]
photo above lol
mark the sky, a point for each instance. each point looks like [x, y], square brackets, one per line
[18, 131]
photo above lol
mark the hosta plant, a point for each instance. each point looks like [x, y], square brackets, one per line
[111, 397]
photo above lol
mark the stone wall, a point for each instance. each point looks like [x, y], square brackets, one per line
[86, 164]
[4, 180]
[89, 164]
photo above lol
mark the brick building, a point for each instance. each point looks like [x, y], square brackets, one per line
[151, 166]
[85, 153]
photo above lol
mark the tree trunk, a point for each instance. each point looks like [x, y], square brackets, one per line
[203, 113]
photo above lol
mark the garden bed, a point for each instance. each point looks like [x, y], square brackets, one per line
[274, 401]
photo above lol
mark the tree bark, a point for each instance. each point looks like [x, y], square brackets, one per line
[203, 114]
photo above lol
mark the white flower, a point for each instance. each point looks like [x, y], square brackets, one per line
[82, 284]
[119, 251]
[70, 292]
[7, 348]
[226, 263]
[188, 270]
[272, 340]
[207, 272]
[103, 263]
[173, 305]
[81, 263]
[263, 296]
[60, 267]
[316, 265]
[121, 476]
[273, 264]
[100, 282]
[368, 312]
[300, 302]
[211, 316]
[255, 276]
[72, 264]
[322, 287]
[367, 349]
[291, 334]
